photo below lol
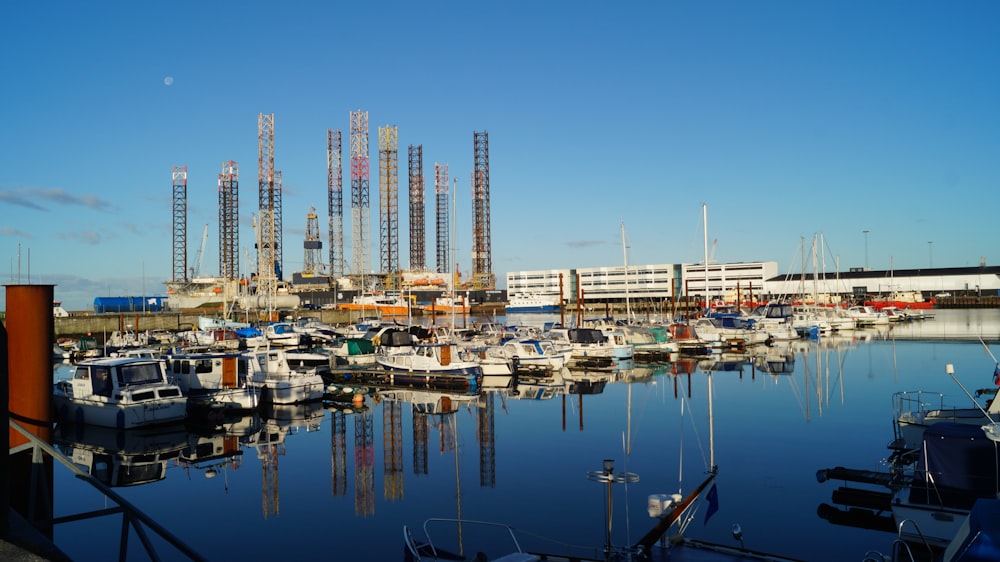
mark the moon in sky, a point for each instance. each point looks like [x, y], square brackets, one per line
[168, 80]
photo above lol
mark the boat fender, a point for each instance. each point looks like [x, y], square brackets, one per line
[376, 341]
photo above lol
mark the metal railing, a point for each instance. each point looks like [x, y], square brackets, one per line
[131, 515]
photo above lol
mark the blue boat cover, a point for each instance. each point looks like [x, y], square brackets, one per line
[982, 544]
[958, 465]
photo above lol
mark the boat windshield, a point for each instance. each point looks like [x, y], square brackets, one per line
[139, 373]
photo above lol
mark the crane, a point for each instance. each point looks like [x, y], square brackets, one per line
[201, 254]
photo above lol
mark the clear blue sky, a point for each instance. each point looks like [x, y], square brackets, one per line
[787, 118]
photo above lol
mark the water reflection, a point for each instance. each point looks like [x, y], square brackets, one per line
[412, 453]
[118, 457]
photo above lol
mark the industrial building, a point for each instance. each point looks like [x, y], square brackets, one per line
[749, 281]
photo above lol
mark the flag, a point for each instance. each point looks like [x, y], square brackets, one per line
[713, 502]
[996, 375]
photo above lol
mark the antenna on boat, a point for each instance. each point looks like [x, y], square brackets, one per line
[988, 350]
[950, 369]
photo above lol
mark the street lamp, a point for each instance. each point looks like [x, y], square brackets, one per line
[866, 248]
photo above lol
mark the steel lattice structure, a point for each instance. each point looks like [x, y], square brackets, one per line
[278, 257]
[335, 202]
[360, 209]
[388, 201]
[179, 180]
[266, 223]
[441, 194]
[482, 260]
[418, 241]
[229, 224]
[312, 262]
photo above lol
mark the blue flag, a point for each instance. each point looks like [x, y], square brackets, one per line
[713, 502]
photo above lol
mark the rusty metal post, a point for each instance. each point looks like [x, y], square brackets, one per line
[31, 336]
[30, 339]
[4, 456]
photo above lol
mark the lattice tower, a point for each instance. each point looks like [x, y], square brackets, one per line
[360, 209]
[266, 281]
[229, 223]
[313, 259]
[482, 260]
[441, 194]
[335, 202]
[392, 449]
[418, 241]
[179, 180]
[278, 255]
[388, 202]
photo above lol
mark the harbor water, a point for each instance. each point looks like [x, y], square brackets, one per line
[340, 480]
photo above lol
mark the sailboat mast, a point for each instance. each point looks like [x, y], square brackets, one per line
[628, 306]
[704, 222]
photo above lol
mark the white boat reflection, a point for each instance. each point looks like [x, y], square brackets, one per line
[117, 457]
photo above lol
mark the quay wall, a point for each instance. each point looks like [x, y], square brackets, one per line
[82, 323]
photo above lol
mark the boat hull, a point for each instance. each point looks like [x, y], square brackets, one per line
[162, 410]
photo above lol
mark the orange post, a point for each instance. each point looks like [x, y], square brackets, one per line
[30, 338]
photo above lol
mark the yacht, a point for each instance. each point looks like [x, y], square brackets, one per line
[120, 392]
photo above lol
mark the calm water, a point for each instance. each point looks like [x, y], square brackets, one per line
[319, 482]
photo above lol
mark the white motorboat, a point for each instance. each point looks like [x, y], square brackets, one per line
[281, 383]
[534, 354]
[438, 358]
[119, 392]
[866, 316]
[214, 380]
[282, 333]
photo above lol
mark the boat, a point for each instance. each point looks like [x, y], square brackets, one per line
[446, 304]
[930, 493]
[916, 411]
[214, 380]
[382, 303]
[901, 300]
[281, 383]
[532, 302]
[430, 365]
[352, 351]
[119, 392]
[531, 354]
[687, 339]
[867, 316]
[731, 331]
[282, 333]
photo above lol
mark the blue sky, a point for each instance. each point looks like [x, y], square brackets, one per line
[787, 118]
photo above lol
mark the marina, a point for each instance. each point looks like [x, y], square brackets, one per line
[356, 471]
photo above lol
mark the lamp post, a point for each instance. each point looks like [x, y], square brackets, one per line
[866, 248]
